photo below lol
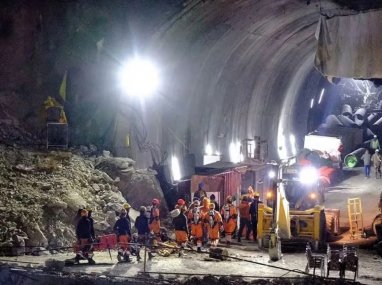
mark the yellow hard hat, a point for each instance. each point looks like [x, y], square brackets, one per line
[256, 194]
[88, 208]
[126, 206]
[211, 206]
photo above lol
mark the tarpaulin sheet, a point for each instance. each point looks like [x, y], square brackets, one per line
[350, 46]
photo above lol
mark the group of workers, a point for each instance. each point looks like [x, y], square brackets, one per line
[372, 156]
[147, 225]
[201, 222]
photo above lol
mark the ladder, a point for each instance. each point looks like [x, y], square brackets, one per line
[355, 217]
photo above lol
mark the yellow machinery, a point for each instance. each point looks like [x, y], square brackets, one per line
[306, 224]
[288, 220]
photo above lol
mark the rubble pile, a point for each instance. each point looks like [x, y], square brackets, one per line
[41, 192]
[12, 133]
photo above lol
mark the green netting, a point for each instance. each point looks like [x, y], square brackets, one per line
[351, 160]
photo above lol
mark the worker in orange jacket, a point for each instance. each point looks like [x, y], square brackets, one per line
[196, 220]
[154, 222]
[204, 209]
[229, 214]
[245, 218]
[181, 229]
[213, 220]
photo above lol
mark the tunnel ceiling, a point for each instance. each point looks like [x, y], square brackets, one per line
[238, 68]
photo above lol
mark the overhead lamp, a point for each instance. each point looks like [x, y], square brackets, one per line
[139, 77]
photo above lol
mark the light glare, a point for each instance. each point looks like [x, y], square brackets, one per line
[321, 95]
[308, 175]
[208, 149]
[175, 168]
[139, 77]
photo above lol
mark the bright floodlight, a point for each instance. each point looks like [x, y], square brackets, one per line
[308, 175]
[139, 77]
[271, 174]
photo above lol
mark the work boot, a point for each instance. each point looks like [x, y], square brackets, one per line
[239, 240]
[228, 244]
[198, 249]
[91, 261]
[127, 258]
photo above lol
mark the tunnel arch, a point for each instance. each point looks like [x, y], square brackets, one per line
[239, 68]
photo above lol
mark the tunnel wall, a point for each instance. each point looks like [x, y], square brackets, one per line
[238, 67]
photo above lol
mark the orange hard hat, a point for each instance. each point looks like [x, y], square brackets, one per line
[181, 202]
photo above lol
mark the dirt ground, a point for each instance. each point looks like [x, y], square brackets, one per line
[255, 265]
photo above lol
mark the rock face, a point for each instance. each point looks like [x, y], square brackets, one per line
[138, 187]
[40, 193]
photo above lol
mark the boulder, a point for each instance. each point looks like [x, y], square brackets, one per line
[140, 188]
[36, 236]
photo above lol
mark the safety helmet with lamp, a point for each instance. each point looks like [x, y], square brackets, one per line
[126, 206]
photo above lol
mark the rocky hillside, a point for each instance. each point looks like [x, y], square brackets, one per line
[41, 191]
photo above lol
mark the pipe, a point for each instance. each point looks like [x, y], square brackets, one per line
[352, 159]
[378, 123]
[347, 111]
[373, 117]
[332, 121]
[346, 121]
[359, 116]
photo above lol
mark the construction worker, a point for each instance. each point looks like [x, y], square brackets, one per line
[181, 229]
[195, 218]
[154, 222]
[84, 239]
[200, 193]
[213, 220]
[142, 225]
[374, 144]
[122, 228]
[204, 209]
[253, 212]
[376, 159]
[245, 218]
[250, 193]
[90, 211]
[180, 203]
[229, 214]
[213, 200]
